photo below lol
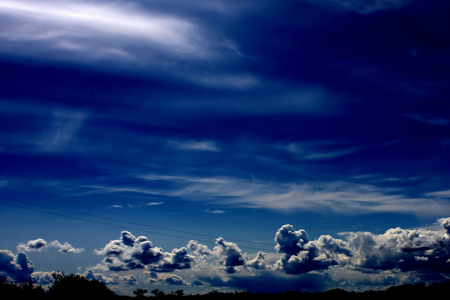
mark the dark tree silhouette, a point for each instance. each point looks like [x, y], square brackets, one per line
[77, 286]
[140, 293]
[25, 290]
[158, 293]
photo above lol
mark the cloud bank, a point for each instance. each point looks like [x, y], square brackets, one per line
[40, 244]
[361, 258]
[398, 254]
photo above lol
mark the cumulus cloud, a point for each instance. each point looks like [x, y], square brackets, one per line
[42, 278]
[40, 244]
[66, 247]
[230, 254]
[129, 253]
[299, 255]
[406, 249]
[168, 279]
[18, 267]
[258, 262]
[33, 245]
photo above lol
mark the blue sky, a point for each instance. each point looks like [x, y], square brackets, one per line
[294, 145]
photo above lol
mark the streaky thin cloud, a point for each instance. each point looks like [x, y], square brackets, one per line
[321, 150]
[154, 203]
[429, 119]
[365, 7]
[215, 211]
[92, 29]
[338, 196]
[61, 134]
[194, 145]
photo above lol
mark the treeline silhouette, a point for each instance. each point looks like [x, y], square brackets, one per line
[79, 287]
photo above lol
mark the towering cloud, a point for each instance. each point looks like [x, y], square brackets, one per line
[17, 267]
[130, 253]
[230, 254]
[416, 249]
[298, 255]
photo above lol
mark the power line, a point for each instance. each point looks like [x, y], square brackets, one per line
[386, 259]
[122, 221]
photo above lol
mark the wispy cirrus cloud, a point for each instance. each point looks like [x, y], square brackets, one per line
[194, 145]
[320, 150]
[96, 30]
[429, 119]
[365, 7]
[339, 196]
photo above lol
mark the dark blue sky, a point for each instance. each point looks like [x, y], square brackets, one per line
[221, 129]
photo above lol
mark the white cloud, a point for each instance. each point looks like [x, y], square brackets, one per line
[321, 150]
[33, 245]
[194, 145]
[428, 119]
[66, 247]
[216, 211]
[339, 196]
[154, 203]
[95, 30]
[40, 244]
[62, 132]
[18, 267]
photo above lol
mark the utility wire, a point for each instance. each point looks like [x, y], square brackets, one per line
[384, 259]
[122, 221]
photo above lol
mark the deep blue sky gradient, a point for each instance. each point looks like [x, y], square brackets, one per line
[226, 119]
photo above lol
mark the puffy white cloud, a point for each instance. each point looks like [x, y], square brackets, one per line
[258, 262]
[42, 278]
[40, 244]
[130, 253]
[169, 279]
[66, 247]
[406, 249]
[33, 245]
[299, 255]
[230, 254]
[18, 267]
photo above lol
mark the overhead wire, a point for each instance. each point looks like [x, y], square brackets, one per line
[125, 222]
[382, 260]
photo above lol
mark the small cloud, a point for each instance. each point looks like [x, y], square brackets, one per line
[33, 246]
[194, 145]
[216, 211]
[429, 119]
[366, 7]
[40, 244]
[66, 247]
[321, 150]
[154, 203]
[116, 206]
